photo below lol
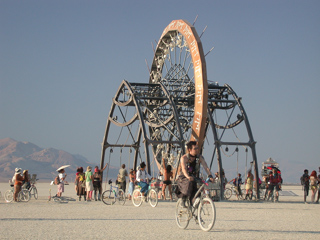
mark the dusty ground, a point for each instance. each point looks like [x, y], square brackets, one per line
[43, 219]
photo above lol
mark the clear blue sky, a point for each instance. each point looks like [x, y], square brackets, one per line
[62, 61]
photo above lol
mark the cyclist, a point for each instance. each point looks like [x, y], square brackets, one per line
[142, 179]
[275, 180]
[189, 169]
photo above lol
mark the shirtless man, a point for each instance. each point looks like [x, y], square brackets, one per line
[167, 175]
[190, 168]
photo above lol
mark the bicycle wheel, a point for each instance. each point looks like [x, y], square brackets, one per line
[153, 197]
[137, 198]
[108, 197]
[121, 197]
[182, 214]
[227, 193]
[35, 192]
[8, 196]
[206, 214]
[24, 195]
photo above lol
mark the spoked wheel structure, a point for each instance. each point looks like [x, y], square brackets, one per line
[183, 214]
[24, 195]
[137, 198]
[8, 196]
[122, 197]
[206, 214]
[156, 119]
[108, 197]
[153, 197]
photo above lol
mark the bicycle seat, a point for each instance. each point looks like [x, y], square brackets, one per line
[110, 181]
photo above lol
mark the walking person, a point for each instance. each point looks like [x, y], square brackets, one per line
[122, 177]
[89, 183]
[313, 185]
[305, 181]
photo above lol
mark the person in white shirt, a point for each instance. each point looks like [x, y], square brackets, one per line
[142, 178]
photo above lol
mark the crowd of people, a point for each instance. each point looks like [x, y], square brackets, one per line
[88, 184]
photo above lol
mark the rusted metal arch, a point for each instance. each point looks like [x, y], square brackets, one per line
[142, 96]
[214, 104]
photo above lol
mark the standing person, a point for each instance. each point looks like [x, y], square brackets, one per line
[318, 187]
[80, 183]
[89, 184]
[267, 181]
[190, 169]
[275, 181]
[122, 177]
[142, 179]
[132, 179]
[249, 186]
[26, 182]
[62, 176]
[237, 183]
[305, 183]
[313, 185]
[167, 174]
[97, 179]
[17, 183]
[100, 171]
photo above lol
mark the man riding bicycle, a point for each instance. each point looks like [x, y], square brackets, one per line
[189, 170]
[142, 178]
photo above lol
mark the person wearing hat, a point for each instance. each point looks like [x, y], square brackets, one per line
[62, 176]
[142, 178]
[18, 178]
[89, 183]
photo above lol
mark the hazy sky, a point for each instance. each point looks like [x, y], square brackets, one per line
[61, 62]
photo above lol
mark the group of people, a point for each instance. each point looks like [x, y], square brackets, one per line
[89, 183]
[311, 182]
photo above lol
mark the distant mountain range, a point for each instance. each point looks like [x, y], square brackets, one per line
[42, 162]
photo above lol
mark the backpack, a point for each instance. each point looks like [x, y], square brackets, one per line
[57, 180]
[81, 178]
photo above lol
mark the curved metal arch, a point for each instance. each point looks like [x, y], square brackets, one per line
[141, 96]
[218, 141]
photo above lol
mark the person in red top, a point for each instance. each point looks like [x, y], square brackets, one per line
[275, 181]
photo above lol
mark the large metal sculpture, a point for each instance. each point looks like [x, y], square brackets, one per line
[155, 119]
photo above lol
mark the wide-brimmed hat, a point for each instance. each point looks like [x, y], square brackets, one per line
[18, 170]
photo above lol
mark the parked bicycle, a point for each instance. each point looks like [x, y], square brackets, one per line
[151, 196]
[32, 189]
[23, 195]
[202, 210]
[228, 192]
[109, 197]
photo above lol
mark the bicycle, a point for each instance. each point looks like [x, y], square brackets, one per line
[203, 210]
[32, 189]
[151, 197]
[23, 195]
[228, 192]
[109, 197]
